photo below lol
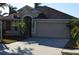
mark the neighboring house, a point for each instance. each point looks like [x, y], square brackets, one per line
[42, 21]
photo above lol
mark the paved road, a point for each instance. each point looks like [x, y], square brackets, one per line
[34, 46]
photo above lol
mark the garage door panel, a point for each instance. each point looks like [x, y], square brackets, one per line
[50, 29]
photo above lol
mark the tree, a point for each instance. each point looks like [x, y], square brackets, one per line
[12, 9]
[36, 4]
[0, 12]
[3, 5]
[74, 27]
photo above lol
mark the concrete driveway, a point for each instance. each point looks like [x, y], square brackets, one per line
[34, 46]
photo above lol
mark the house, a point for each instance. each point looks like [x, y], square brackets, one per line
[52, 23]
[42, 22]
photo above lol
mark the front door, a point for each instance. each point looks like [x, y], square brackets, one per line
[28, 20]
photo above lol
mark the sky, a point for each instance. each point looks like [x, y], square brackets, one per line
[69, 8]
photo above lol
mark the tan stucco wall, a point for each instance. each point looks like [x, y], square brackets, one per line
[55, 28]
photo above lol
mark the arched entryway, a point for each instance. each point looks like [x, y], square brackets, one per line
[28, 20]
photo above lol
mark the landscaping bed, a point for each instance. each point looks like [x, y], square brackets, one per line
[74, 32]
[8, 41]
[72, 47]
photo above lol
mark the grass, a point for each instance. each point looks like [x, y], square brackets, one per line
[8, 41]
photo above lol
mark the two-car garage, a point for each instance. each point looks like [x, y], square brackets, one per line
[55, 28]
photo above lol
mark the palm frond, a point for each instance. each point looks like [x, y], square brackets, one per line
[3, 5]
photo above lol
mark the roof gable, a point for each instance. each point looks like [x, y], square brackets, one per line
[28, 11]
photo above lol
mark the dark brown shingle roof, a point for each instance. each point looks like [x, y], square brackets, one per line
[53, 13]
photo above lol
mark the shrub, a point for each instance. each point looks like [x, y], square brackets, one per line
[22, 26]
[74, 27]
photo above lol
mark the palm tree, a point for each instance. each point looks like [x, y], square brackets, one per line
[3, 13]
[36, 4]
[12, 9]
[0, 12]
[3, 5]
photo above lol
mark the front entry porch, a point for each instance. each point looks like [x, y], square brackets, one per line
[15, 28]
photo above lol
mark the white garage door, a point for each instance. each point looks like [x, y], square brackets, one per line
[52, 29]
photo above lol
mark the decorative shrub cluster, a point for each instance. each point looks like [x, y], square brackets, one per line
[21, 25]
